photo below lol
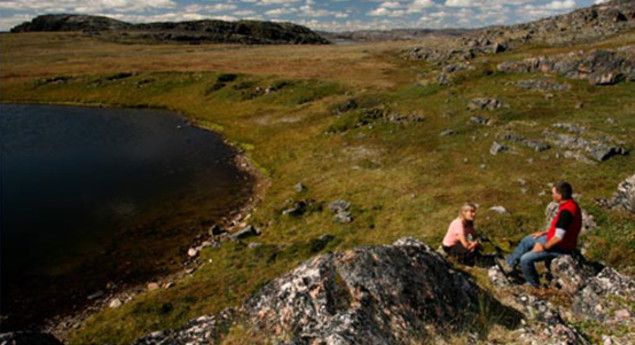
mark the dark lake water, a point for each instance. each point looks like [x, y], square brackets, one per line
[93, 198]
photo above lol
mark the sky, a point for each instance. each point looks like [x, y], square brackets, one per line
[327, 15]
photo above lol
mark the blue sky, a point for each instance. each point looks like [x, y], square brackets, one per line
[330, 15]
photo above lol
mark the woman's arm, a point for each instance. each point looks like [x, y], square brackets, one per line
[463, 239]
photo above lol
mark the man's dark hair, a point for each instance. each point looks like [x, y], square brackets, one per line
[564, 189]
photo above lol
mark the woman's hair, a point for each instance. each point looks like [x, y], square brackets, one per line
[464, 208]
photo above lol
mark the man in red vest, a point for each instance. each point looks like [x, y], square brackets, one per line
[561, 238]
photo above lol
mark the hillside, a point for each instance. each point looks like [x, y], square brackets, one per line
[359, 145]
[193, 32]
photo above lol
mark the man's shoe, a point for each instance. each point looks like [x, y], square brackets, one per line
[504, 267]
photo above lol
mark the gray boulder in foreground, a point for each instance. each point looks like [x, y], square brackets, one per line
[393, 294]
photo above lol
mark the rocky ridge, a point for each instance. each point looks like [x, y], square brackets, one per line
[193, 32]
[599, 67]
[580, 26]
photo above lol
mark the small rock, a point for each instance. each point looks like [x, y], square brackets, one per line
[497, 148]
[605, 78]
[339, 205]
[248, 231]
[498, 209]
[192, 252]
[499, 48]
[448, 132]
[216, 230]
[343, 217]
[190, 270]
[169, 285]
[444, 79]
[622, 314]
[299, 187]
[479, 120]
[483, 103]
[115, 303]
[153, 286]
[253, 245]
[95, 295]
[298, 209]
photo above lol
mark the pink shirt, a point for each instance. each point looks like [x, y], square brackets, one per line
[457, 227]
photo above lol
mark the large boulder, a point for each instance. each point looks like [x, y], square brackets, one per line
[393, 294]
[571, 273]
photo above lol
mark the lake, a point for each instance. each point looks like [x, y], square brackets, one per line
[97, 199]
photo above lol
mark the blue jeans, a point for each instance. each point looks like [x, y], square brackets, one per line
[527, 258]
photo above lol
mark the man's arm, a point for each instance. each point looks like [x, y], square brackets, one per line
[564, 220]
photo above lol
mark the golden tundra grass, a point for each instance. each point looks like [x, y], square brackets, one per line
[401, 179]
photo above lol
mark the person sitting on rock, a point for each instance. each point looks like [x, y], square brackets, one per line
[461, 240]
[560, 239]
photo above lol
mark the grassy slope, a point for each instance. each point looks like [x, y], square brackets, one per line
[400, 179]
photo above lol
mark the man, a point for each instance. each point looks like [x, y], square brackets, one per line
[561, 238]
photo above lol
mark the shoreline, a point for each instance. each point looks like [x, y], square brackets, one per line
[61, 325]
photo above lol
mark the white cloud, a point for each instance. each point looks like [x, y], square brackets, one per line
[560, 5]
[6, 23]
[391, 4]
[379, 11]
[51, 6]
[461, 3]
[276, 2]
[419, 5]
[281, 11]
[243, 13]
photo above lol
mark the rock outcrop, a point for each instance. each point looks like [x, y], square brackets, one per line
[579, 26]
[623, 198]
[599, 67]
[374, 295]
[212, 31]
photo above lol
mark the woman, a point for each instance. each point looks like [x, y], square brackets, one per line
[456, 242]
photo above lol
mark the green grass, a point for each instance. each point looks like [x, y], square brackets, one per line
[401, 179]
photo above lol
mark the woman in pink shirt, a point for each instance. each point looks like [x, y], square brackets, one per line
[460, 240]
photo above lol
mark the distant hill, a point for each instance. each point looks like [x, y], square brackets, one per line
[200, 31]
[70, 22]
[390, 35]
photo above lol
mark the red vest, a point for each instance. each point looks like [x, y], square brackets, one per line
[570, 239]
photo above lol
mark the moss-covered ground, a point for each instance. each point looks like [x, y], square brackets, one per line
[402, 179]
